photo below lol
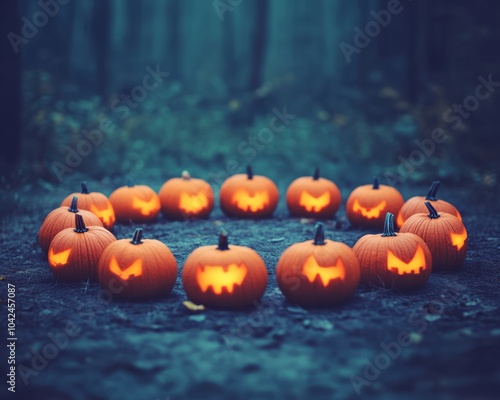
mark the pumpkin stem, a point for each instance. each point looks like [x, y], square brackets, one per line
[74, 205]
[223, 240]
[389, 225]
[185, 175]
[316, 174]
[432, 195]
[375, 183]
[249, 172]
[80, 225]
[319, 236]
[432, 211]
[84, 187]
[130, 182]
[137, 236]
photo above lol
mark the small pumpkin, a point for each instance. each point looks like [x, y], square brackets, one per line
[248, 196]
[62, 218]
[416, 205]
[186, 197]
[318, 273]
[401, 260]
[95, 202]
[367, 205]
[74, 252]
[137, 268]
[313, 197]
[445, 235]
[136, 203]
[224, 276]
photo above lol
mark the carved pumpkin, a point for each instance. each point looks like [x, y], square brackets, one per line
[318, 273]
[313, 197]
[445, 235]
[224, 276]
[416, 205]
[137, 203]
[400, 260]
[74, 252]
[186, 197]
[62, 218]
[248, 196]
[138, 268]
[95, 202]
[367, 205]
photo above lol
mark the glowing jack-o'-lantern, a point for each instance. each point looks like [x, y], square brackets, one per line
[74, 252]
[314, 197]
[445, 235]
[367, 205]
[137, 268]
[224, 276]
[137, 203]
[400, 260]
[248, 196]
[186, 197]
[318, 273]
[416, 205]
[95, 202]
[62, 218]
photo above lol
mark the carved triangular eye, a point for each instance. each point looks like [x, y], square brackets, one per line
[458, 239]
[59, 259]
[134, 269]
[106, 215]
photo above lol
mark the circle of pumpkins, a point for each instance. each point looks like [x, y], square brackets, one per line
[79, 246]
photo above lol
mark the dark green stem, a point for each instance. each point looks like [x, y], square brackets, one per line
[432, 195]
[375, 183]
[80, 225]
[389, 225]
[249, 172]
[137, 236]
[223, 240]
[316, 174]
[432, 211]
[84, 188]
[319, 236]
[130, 182]
[74, 205]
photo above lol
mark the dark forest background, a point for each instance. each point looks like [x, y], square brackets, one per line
[230, 64]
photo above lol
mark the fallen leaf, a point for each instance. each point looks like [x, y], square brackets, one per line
[193, 307]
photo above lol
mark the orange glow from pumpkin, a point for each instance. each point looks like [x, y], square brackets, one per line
[312, 269]
[219, 277]
[415, 266]
[369, 213]
[106, 215]
[59, 259]
[135, 269]
[311, 203]
[253, 203]
[400, 220]
[193, 203]
[458, 239]
[146, 207]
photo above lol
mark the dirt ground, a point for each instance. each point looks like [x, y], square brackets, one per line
[160, 350]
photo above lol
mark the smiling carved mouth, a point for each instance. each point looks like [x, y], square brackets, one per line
[220, 277]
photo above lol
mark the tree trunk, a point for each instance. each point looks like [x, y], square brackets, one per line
[100, 28]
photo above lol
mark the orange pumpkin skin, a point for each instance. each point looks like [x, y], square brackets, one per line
[439, 231]
[248, 196]
[74, 252]
[318, 273]
[186, 197]
[416, 205]
[367, 205]
[205, 279]
[382, 256]
[62, 218]
[313, 197]
[137, 203]
[137, 268]
[94, 202]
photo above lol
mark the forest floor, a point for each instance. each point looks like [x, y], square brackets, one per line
[160, 350]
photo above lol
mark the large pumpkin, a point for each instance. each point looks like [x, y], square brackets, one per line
[224, 276]
[186, 197]
[248, 196]
[401, 260]
[136, 203]
[137, 268]
[318, 273]
[313, 197]
[445, 235]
